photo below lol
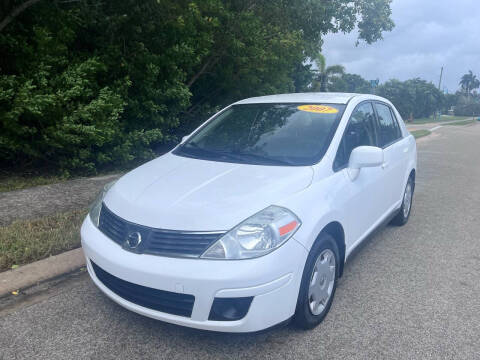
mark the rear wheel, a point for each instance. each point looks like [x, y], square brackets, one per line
[319, 282]
[402, 217]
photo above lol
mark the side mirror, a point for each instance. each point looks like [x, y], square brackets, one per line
[364, 156]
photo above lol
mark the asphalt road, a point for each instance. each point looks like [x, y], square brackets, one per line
[408, 293]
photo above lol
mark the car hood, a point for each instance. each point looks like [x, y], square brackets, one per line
[180, 193]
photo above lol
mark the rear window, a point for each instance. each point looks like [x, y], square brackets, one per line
[272, 134]
[389, 130]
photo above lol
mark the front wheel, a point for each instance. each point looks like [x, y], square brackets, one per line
[319, 282]
[404, 213]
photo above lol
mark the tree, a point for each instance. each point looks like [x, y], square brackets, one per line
[449, 101]
[469, 82]
[467, 104]
[400, 95]
[413, 98]
[259, 47]
[325, 75]
[352, 83]
[302, 77]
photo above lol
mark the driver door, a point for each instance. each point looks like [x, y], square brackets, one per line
[363, 201]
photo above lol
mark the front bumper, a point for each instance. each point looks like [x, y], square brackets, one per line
[273, 280]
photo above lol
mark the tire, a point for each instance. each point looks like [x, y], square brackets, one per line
[324, 247]
[404, 213]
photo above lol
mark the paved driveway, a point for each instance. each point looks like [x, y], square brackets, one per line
[409, 293]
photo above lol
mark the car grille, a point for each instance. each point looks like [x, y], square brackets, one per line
[156, 241]
[160, 300]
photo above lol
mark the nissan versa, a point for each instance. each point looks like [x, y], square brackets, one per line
[248, 222]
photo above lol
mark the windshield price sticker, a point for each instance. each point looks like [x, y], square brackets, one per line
[319, 109]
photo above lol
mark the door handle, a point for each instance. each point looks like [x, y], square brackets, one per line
[384, 165]
[405, 150]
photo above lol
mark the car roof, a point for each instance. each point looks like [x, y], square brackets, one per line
[311, 97]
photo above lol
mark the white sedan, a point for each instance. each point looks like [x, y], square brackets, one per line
[249, 221]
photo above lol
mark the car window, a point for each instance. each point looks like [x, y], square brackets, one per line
[266, 134]
[360, 131]
[389, 130]
[395, 120]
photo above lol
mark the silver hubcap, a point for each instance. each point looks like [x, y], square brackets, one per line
[321, 282]
[407, 200]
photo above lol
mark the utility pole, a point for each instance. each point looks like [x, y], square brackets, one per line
[439, 85]
[440, 81]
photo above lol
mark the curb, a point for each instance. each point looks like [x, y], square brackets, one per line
[39, 271]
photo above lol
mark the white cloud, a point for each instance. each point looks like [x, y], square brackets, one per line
[428, 34]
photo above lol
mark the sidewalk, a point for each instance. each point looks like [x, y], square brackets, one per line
[39, 271]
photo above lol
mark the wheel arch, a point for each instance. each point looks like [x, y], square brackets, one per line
[411, 175]
[335, 230]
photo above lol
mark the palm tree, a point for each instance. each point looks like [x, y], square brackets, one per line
[469, 82]
[325, 74]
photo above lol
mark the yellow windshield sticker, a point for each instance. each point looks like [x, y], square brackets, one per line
[320, 109]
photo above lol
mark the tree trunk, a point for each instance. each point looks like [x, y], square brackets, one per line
[15, 12]
[323, 83]
[210, 62]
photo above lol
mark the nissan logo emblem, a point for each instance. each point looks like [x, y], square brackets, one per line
[133, 240]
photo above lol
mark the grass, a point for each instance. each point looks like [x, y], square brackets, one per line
[25, 241]
[466, 122]
[420, 133]
[442, 118]
[18, 182]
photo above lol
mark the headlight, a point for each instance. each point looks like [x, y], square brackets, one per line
[97, 204]
[256, 236]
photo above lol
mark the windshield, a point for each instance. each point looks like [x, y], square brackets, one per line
[268, 134]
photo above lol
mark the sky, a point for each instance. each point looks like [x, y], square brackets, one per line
[428, 34]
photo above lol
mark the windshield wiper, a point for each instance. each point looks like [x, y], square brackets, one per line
[211, 153]
[237, 155]
[262, 158]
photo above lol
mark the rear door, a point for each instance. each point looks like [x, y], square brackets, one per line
[395, 149]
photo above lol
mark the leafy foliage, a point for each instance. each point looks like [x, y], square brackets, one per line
[325, 75]
[351, 83]
[467, 105]
[469, 82]
[413, 98]
[87, 85]
[467, 99]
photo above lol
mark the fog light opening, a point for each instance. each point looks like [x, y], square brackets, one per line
[230, 309]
